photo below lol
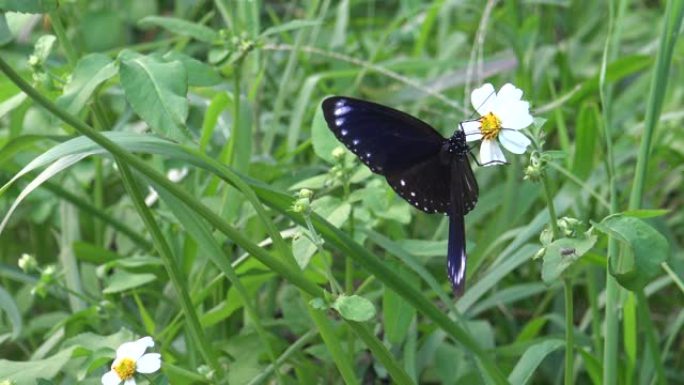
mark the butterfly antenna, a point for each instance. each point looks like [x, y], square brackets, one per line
[472, 115]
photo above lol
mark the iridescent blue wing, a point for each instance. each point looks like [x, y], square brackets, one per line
[396, 145]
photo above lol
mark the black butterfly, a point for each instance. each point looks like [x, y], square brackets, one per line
[430, 172]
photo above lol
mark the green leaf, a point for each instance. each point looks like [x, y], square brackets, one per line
[199, 73]
[122, 280]
[585, 140]
[354, 307]
[289, 26]
[180, 27]
[5, 33]
[531, 359]
[28, 6]
[9, 307]
[646, 247]
[157, 92]
[562, 253]
[27, 372]
[323, 140]
[91, 71]
[645, 213]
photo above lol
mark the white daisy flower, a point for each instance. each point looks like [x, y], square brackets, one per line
[502, 115]
[131, 359]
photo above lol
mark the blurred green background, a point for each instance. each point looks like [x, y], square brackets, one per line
[223, 97]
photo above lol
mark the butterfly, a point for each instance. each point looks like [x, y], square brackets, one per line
[429, 171]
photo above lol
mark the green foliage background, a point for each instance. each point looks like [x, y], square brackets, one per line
[151, 155]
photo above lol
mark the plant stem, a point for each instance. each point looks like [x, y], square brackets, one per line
[567, 284]
[569, 332]
[194, 327]
[549, 204]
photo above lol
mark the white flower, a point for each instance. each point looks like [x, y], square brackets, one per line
[131, 359]
[502, 115]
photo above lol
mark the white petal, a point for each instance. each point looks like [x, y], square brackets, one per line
[149, 363]
[514, 141]
[509, 92]
[130, 381]
[111, 378]
[483, 98]
[472, 130]
[514, 115]
[490, 153]
[135, 349]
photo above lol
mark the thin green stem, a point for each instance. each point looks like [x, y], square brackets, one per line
[569, 332]
[59, 30]
[567, 282]
[610, 341]
[166, 255]
[549, 205]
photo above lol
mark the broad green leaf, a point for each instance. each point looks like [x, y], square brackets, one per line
[323, 140]
[562, 253]
[157, 92]
[5, 33]
[122, 280]
[181, 27]
[354, 307]
[531, 359]
[28, 372]
[646, 250]
[28, 6]
[199, 73]
[9, 307]
[91, 71]
[289, 26]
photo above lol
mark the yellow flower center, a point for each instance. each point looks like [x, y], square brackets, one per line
[491, 125]
[124, 368]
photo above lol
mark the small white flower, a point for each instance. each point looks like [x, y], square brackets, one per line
[502, 115]
[131, 359]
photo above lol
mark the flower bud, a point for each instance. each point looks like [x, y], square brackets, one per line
[305, 193]
[27, 263]
[546, 237]
[301, 205]
[569, 226]
[338, 153]
[533, 171]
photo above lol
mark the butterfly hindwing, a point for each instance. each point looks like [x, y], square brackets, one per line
[456, 254]
[385, 139]
[464, 194]
[425, 185]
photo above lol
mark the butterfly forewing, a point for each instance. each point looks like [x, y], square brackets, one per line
[385, 139]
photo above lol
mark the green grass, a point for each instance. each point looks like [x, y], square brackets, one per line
[238, 284]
